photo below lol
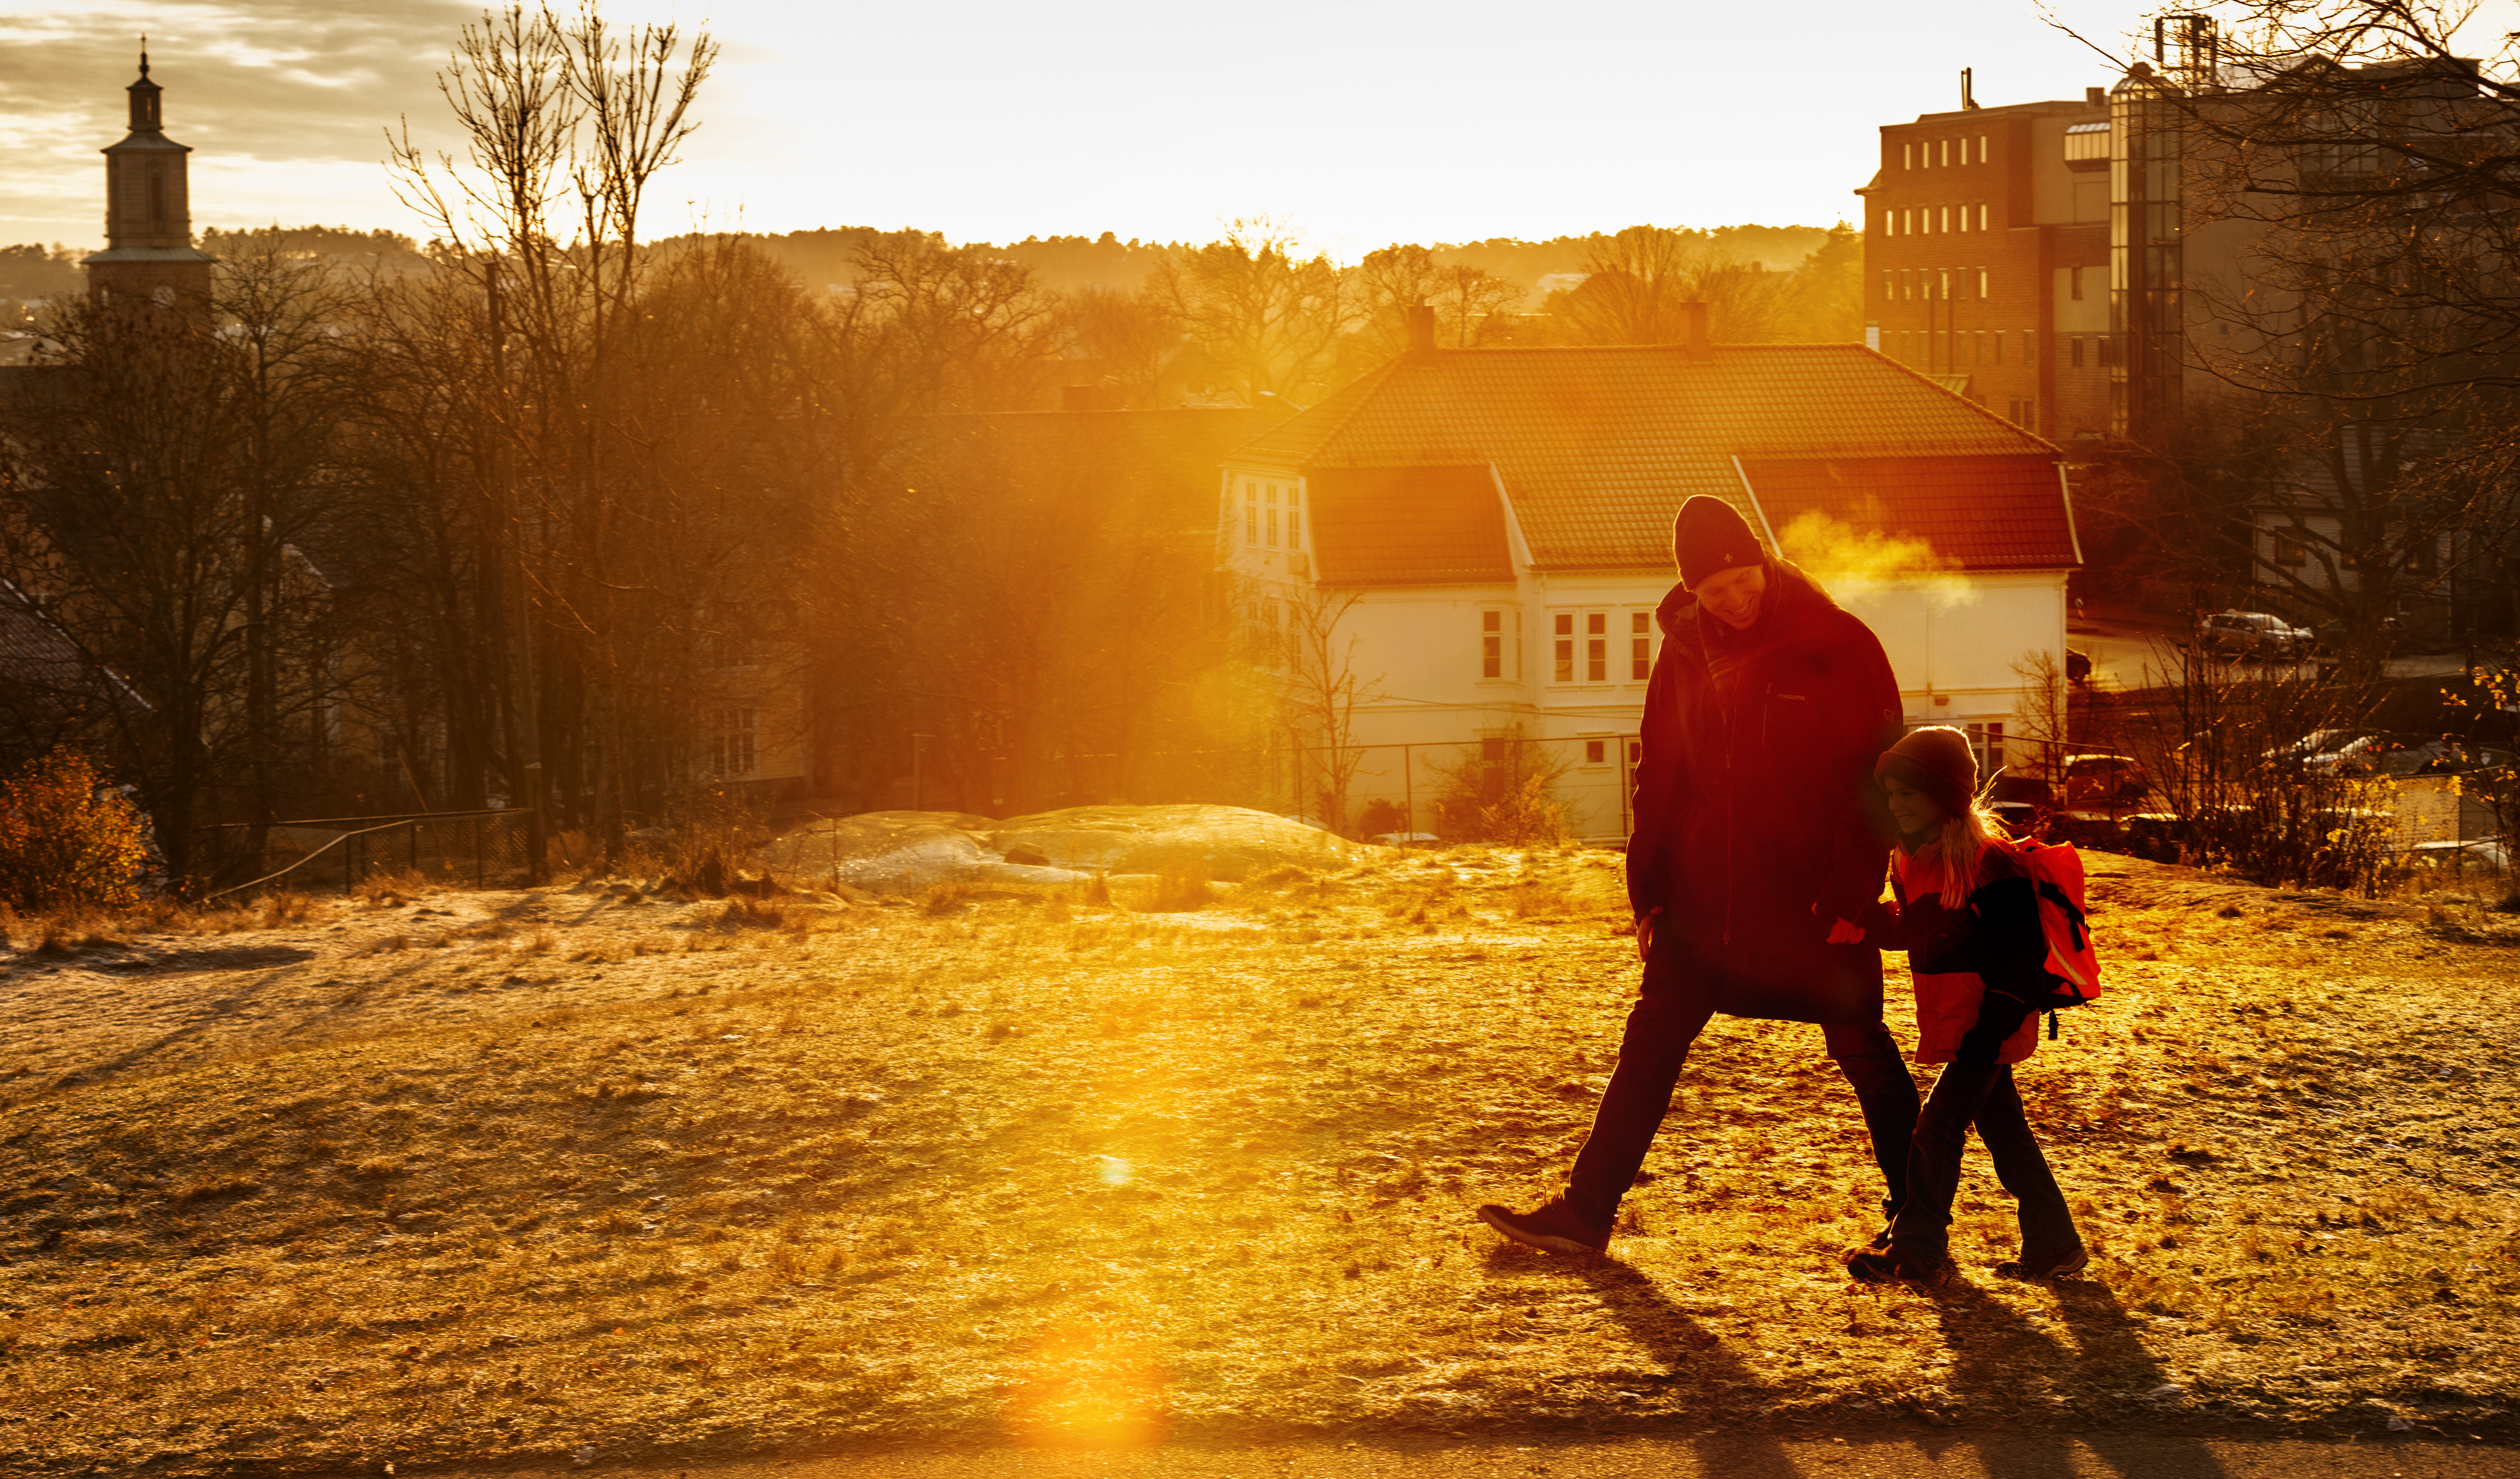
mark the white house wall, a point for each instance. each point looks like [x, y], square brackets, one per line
[1953, 645]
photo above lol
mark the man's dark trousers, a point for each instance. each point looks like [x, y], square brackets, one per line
[1670, 1012]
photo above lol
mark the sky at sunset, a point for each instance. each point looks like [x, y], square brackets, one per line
[1360, 123]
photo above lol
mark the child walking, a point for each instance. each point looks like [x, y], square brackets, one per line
[1968, 914]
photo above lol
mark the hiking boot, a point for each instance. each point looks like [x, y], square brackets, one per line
[1552, 1226]
[1866, 1266]
[2067, 1267]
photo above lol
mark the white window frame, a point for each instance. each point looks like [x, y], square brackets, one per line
[735, 737]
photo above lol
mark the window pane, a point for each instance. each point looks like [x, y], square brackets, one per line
[1273, 529]
[1597, 661]
[1640, 658]
[1492, 621]
[1593, 751]
[1565, 626]
[1596, 623]
[1294, 530]
[1491, 657]
[1565, 659]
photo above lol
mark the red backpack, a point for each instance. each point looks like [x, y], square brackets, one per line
[2055, 872]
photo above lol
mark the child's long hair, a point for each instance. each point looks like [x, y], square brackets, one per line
[1960, 848]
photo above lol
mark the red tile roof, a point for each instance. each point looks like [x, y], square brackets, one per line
[1987, 513]
[1597, 447]
[1408, 526]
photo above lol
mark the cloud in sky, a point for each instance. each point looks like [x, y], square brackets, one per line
[285, 102]
[1364, 122]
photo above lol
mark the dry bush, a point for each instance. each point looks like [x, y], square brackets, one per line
[71, 932]
[281, 906]
[66, 838]
[391, 890]
[1539, 898]
[754, 914]
[1179, 889]
[571, 851]
[712, 839]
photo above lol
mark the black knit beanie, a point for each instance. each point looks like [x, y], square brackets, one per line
[1710, 536]
[1936, 760]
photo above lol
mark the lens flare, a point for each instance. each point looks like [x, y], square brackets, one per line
[1088, 1385]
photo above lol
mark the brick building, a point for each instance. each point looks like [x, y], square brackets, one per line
[1986, 237]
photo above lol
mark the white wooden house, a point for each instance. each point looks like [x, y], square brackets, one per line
[1492, 528]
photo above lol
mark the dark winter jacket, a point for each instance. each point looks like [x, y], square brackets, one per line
[1755, 802]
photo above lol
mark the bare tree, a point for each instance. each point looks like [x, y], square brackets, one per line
[1637, 281]
[1266, 318]
[1126, 336]
[156, 507]
[1320, 691]
[1397, 278]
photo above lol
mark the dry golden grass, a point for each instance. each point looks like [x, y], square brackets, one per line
[568, 1168]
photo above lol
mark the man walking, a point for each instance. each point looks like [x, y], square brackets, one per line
[1758, 828]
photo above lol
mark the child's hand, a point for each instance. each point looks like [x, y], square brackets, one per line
[1645, 932]
[1841, 930]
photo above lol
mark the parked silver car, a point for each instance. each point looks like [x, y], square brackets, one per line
[2255, 636]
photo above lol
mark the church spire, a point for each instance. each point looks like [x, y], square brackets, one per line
[147, 209]
[145, 96]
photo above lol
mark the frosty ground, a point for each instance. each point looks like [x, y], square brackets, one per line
[588, 1173]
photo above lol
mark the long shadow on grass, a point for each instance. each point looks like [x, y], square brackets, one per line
[1684, 1346]
[2111, 1349]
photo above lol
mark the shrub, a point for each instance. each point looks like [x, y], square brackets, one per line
[1181, 888]
[67, 840]
[1503, 791]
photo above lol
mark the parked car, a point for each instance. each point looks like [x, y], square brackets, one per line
[2021, 800]
[2104, 781]
[2366, 755]
[2480, 853]
[2315, 742]
[2254, 635]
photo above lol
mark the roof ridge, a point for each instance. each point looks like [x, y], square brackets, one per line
[1923, 378]
[1363, 394]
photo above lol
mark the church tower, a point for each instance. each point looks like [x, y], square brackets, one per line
[149, 253]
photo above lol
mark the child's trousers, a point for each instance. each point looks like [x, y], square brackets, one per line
[1980, 1095]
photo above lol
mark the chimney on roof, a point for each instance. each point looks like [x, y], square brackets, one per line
[1422, 333]
[1692, 328]
[2095, 97]
[1076, 397]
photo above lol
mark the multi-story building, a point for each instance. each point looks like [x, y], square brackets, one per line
[1986, 237]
